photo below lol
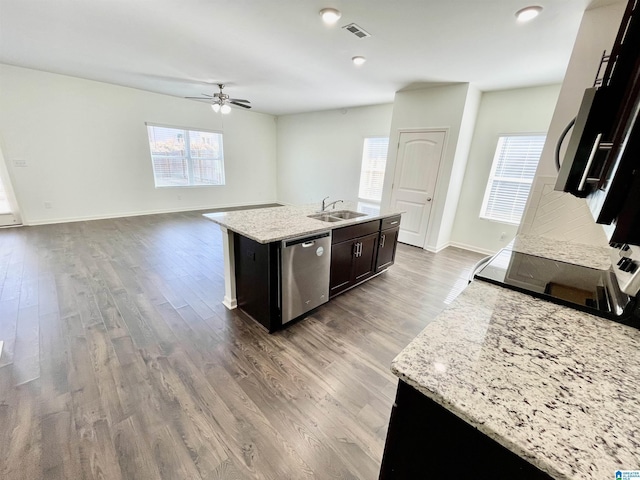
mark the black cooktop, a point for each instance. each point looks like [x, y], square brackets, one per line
[583, 288]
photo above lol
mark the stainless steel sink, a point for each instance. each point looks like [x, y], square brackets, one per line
[337, 216]
[347, 214]
[325, 217]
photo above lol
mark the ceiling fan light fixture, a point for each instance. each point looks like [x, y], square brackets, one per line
[528, 13]
[225, 109]
[358, 60]
[330, 15]
[216, 107]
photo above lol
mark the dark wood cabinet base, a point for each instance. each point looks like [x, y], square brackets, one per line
[258, 280]
[427, 441]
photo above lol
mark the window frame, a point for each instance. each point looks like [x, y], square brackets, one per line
[362, 160]
[188, 156]
[493, 177]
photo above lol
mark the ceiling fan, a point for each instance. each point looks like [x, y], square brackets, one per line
[221, 102]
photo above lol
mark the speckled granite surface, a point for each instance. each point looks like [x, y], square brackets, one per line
[557, 386]
[273, 224]
[587, 255]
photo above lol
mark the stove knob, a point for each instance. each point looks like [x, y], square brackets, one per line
[624, 263]
[631, 267]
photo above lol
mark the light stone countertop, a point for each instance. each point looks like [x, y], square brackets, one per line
[587, 255]
[557, 386]
[266, 225]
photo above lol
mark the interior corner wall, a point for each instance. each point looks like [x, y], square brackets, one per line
[524, 110]
[556, 214]
[84, 149]
[434, 108]
[320, 153]
[467, 128]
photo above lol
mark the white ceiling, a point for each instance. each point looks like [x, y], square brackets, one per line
[279, 54]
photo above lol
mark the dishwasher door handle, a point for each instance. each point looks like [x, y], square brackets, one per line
[308, 244]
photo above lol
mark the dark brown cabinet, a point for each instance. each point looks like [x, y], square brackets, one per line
[425, 440]
[360, 251]
[389, 229]
[353, 255]
[258, 280]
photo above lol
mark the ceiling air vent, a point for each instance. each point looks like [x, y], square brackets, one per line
[356, 30]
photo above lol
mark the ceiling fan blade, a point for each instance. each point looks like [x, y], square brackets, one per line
[239, 104]
[239, 100]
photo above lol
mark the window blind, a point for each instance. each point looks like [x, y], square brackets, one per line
[514, 166]
[374, 162]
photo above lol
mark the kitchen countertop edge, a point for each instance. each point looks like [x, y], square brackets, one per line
[274, 224]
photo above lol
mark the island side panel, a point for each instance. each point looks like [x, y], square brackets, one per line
[258, 280]
[230, 300]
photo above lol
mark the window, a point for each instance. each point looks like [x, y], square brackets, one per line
[184, 157]
[512, 172]
[374, 161]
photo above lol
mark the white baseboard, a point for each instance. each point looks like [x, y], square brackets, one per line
[471, 248]
[138, 214]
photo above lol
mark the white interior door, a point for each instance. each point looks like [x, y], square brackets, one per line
[414, 183]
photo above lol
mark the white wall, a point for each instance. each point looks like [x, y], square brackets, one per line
[441, 107]
[460, 162]
[320, 153]
[525, 110]
[86, 149]
[554, 214]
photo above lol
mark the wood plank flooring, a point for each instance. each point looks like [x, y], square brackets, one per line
[120, 362]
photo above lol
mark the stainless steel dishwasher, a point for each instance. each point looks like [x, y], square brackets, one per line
[306, 262]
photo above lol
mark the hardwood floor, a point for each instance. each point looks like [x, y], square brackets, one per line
[120, 362]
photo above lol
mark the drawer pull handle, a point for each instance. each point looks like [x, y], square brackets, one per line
[384, 237]
[393, 223]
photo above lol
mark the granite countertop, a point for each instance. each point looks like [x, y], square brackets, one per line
[266, 225]
[587, 255]
[557, 386]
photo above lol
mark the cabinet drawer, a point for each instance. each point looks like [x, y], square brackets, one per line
[353, 231]
[390, 222]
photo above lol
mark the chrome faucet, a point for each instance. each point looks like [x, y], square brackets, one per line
[324, 207]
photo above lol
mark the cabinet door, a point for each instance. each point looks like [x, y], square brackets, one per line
[364, 260]
[387, 248]
[341, 266]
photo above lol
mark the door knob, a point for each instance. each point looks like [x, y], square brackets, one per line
[428, 199]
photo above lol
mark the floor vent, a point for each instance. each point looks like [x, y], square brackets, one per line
[356, 30]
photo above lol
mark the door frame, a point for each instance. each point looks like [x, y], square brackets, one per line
[435, 200]
[5, 178]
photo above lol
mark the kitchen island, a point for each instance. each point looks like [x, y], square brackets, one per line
[505, 385]
[362, 245]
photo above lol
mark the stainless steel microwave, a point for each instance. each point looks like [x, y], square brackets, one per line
[602, 161]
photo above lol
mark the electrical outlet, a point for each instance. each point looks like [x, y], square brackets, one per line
[20, 162]
[48, 204]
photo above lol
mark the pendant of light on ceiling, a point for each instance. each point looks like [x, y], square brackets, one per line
[222, 108]
[330, 16]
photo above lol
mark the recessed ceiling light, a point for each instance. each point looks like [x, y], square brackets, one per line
[358, 60]
[528, 13]
[330, 15]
